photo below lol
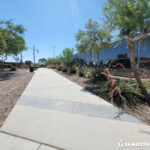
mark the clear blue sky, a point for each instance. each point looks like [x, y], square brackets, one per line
[50, 22]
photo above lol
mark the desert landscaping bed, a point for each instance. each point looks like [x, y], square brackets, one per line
[141, 111]
[12, 84]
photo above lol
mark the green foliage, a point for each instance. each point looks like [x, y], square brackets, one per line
[11, 39]
[130, 17]
[130, 92]
[86, 70]
[65, 69]
[53, 61]
[59, 68]
[129, 86]
[95, 74]
[72, 70]
[87, 39]
[93, 39]
[8, 66]
[147, 85]
[13, 68]
[67, 56]
[81, 72]
[5, 65]
[37, 65]
[42, 61]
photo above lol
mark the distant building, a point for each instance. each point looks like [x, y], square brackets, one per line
[116, 49]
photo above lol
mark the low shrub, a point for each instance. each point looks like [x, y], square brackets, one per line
[37, 65]
[13, 68]
[59, 68]
[86, 71]
[5, 65]
[64, 69]
[95, 74]
[54, 67]
[9, 66]
[129, 94]
[81, 73]
[147, 85]
[72, 70]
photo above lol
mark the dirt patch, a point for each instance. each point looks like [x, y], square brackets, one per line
[141, 111]
[12, 84]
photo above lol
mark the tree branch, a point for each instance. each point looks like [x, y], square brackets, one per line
[138, 37]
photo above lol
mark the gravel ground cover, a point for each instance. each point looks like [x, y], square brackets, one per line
[12, 84]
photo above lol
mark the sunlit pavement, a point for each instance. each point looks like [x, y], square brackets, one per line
[55, 113]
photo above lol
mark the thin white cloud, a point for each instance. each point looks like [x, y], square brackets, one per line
[76, 17]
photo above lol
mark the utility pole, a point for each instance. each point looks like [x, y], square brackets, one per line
[54, 51]
[34, 55]
[34, 51]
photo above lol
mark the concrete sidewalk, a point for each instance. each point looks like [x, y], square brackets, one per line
[55, 113]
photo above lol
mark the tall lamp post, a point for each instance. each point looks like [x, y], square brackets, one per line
[54, 51]
[34, 51]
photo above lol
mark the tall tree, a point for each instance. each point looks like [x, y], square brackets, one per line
[67, 55]
[87, 39]
[132, 19]
[103, 41]
[11, 39]
[94, 39]
[42, 61]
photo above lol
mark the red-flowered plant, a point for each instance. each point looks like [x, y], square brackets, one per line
[111, 81]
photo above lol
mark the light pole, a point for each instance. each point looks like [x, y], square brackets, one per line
[34, 51]
[54, 51]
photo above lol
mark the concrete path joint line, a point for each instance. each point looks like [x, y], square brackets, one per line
[39, 147]
[60, 118]
[31, 140]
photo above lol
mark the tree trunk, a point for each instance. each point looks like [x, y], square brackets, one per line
[91, 57]
[131, 46]
[4, 58]
[98, 57]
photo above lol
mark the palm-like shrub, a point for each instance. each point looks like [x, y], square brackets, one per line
[72, 70]
[81, 73]
[95, 75]
[129, 94]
